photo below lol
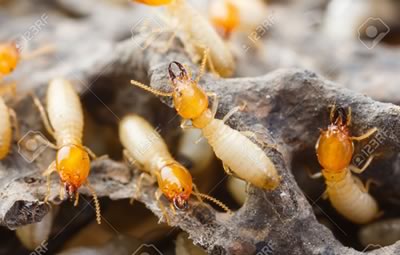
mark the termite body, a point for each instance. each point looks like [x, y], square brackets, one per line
[384, 232]
[64, 121]
[198, 35]
[334, 150]
[229, 16]
[5, 129]
[145, 146]
[9, 58]
[239, 154]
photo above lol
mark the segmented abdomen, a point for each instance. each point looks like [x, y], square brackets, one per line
[200, 31]
[247, 160]
[65, 112]
[144, 143]
[350, 201]
[5, 130]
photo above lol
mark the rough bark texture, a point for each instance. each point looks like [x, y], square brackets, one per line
[284, 108]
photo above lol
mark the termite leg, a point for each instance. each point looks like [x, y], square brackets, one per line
[139, 185]
[171, 206]
[369, 182]
[47, 173]
[332, 113]
[357, 170]
[43, 115]
[76, 199]
[14, 120]
[158, 195]
[62, 191]
[206, 58]
[185, 125]
[93, 155]
[233, 111]
[315, 175]
[364, 136]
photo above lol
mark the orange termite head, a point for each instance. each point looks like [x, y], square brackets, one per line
[154, 2]
[334, 146]
[9, 57]
[176, 184]
[190, 100]
[73, 166]
[225, 16]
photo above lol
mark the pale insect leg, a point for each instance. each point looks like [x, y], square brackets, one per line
[76, 198]
[139, 185]
[364, 136]
[185, 125]
[348, 116]
[360, 184]
[43, 115]
[203, 64]
[61, 191]
[357, 170]
[158, 195]
[206, 56]
[14, 120]
[47, 173]
[233, 111]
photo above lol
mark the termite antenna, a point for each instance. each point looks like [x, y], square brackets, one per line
[151, 90]
[96, 202]
[215, 201]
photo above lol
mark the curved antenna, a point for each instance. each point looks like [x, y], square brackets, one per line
[215, 201]
[151, 90]
[96, 202]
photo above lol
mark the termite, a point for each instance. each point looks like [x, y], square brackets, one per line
[240, 156]
[145, 148]
[64, 122]
[7, 117]
[197, 35]
[334, 149]
[385, 232]
[9, 58]
[229, 16]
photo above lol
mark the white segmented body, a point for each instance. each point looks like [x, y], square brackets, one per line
[198, 29]
[247, 160]
[5, 129]
[65, 112]
[385, 232]
[349, 200]
[144, 143]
